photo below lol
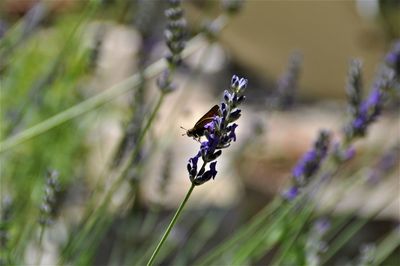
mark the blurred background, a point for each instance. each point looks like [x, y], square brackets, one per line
[56, 55]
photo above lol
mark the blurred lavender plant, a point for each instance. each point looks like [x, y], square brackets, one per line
[147, 22]
[220, 132]
[288, 83]
[174, 35]
[354, 88]
[386, 163]
[308, 165]
[5, 219]
[392, 60]
[363, 113]
[315, 244]
[47, 208]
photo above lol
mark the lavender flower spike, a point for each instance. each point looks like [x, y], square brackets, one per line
[48, 205]
[308, 165]
[354, 86]
[369, 110]
[287, 84]
[393, 58]
[311, 161]
[175, 34]
[220, 132]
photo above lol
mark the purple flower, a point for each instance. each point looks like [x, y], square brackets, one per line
[311, 161]
[386, 163]
[231, 130]
[308, 165]
[206, 176]
[367, 113]
[219, 133]
[290, 193]
[363, 113]
[393, 58]
[192, 165]
[349, 153]
[322, 225]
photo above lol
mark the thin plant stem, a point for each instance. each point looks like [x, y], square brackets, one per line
[39, 257]
[353, 228]
[245, 231]
[293, 234]
[170, 226]
[387, 246]
[125, 167]
[246, 251]
[139, 144]
[254, 246]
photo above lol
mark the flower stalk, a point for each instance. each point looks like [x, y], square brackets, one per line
[170, 226]
[220, 132]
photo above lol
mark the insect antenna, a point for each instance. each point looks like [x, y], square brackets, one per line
[185, 131]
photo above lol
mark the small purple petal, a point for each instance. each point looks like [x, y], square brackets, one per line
[242, 84]
[291, 193]
[213, 170]
[374, 98]
[227, 96]
[234, 115]
[359, 123]
[322, 225]
[235, 81]
[232, 134]
[298, 171]
[349, 153]
[210, 126]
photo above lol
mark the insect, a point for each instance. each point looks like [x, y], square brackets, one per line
[199, 128]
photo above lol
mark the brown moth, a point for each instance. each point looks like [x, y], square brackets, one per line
[199, 128]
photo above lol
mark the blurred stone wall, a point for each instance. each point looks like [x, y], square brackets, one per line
[328, 33]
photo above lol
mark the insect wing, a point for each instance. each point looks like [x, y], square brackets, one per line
[207, 118]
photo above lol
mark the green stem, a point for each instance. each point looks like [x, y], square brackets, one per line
[139, 144]
[297, 224]
[245, 231]
[351, 230]
[171, 224]
[39, 257]
[386, 247]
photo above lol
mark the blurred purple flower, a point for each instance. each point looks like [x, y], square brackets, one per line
[315, 244]
[322, 225]
[366, 112]
[288, 82]
[311, 161]
[393, 58]
[290, 193]
[308, 165]
[386, 163]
